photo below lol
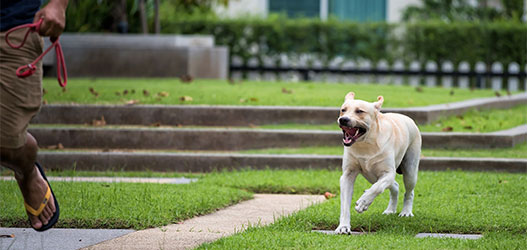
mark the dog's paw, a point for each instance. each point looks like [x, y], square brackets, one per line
[343, 229]
[406, 214]
[389, 211]
[362, 205]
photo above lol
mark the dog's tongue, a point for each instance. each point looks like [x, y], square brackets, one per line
[350, 135]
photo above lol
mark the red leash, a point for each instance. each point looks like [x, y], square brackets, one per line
[27, 70]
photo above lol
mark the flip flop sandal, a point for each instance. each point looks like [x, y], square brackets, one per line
[37, 212]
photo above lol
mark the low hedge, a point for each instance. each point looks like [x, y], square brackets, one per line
[248, 38]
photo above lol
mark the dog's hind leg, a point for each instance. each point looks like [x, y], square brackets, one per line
[410, 169]
[394, 193]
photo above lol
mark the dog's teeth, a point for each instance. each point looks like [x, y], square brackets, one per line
[356, 132]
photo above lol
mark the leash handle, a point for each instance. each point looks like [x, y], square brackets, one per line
[62, 73]
[32, 27]
[29, 69]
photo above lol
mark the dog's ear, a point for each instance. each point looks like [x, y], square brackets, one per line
[378, 103]
[350, 96]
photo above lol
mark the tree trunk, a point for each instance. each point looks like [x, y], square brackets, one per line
[157, 25]
[142, 13]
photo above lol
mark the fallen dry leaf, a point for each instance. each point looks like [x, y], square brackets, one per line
[253, 99]
[243, 100]
[252, 125]
[64, 89]
[58, 146]
[44, 91]
[44, 101]
[447, 129]
[117, 93]
[418, 89]
[145, 92]
[186, 79]
[287, 91]
[185, 98]
[157, 124]
[132, 102]
[100, 122]
[468, 127]
[163, 94]
[329, 195]
[125, 92]
[498, 94]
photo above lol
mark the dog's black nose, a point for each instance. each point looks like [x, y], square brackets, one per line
[344, 121]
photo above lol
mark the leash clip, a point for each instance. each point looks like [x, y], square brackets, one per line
[26, 70]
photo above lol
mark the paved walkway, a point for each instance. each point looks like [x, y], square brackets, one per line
[262, 210]
[55, 238]
[180, 180]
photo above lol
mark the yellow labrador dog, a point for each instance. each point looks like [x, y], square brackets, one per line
[377, 146]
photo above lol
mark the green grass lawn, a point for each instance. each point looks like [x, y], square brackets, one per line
[121, 205]
[481, 121]
[493, 204]
[490, 203]
[219, 92]
[518, 151]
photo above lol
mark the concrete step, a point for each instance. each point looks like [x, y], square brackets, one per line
[206, 162]
[205, 115]
[239, 139]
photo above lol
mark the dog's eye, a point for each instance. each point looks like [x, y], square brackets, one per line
[343, 110]
[359, 111]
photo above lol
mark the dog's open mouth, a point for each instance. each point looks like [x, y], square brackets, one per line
[351, 134]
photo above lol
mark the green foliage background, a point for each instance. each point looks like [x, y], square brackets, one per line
[487, 40]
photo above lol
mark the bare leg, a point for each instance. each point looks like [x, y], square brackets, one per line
[32, 185]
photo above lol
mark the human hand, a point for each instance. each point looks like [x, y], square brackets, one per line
[53, 17]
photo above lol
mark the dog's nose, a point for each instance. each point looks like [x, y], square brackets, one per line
[344, 121]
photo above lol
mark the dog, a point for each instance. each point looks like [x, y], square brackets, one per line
[377, 146]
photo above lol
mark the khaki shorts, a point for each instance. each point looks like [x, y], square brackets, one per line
[20, 98]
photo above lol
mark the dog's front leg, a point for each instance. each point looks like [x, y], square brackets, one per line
[369, 195]
[347, 180]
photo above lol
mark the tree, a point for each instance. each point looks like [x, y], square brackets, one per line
[462, 10]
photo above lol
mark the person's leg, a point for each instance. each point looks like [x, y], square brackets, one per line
[20, 100]
[32, 185]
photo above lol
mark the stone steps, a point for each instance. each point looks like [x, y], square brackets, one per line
[210, 139]
[206, 162]
[205, 115]
[240, 139]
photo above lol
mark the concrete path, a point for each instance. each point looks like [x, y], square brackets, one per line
[181, 180]
[63, 239]
[419, 235]
[262, 210]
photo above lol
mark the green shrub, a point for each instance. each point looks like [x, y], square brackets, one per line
[325, 40]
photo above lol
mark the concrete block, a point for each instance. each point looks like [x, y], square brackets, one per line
[96, 55]
[453, 236]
